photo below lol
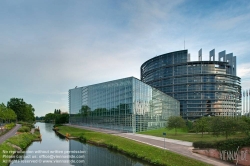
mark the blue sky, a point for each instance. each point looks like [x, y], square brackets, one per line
[50, 46]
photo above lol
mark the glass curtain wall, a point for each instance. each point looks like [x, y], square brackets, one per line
[126, 105]
[204, 88]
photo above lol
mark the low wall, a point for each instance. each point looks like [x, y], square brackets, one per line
[239, 157]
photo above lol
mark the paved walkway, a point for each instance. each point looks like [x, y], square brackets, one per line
[10, 133]
[181, 147]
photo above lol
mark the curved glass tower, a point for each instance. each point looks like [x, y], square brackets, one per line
[204, 88]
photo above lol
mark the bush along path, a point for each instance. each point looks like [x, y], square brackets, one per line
[17, 144]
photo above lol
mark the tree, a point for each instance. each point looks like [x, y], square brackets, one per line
[229, 126]
[216, 123]
[224, 126]
[24, 111]
[49, 117]
[10, 115]
[2, 112]
[175, 122]
[202, 125]
[30, 113]
[244, 125]
[62, 118]
[57, 111]
[7, 114]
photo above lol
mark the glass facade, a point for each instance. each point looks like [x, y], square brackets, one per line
[127, 105]
[204, 88]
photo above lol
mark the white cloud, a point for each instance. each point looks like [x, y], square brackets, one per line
[244, 70]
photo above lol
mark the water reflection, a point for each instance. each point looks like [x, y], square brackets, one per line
[55, 150]
[94, 156]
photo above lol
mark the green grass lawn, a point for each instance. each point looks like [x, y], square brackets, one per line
[139, 150]
[22, 140]
[182, 134]
[5, 149]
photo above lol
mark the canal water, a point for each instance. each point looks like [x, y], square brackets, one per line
[55, 150]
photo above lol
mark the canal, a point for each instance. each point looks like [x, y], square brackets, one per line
[55, 150]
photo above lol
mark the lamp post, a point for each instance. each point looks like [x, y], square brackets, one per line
[164, 134]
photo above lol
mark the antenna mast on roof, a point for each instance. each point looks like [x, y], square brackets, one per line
[184, 44]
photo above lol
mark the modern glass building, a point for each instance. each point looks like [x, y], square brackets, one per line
[127, 105]
[204, 88]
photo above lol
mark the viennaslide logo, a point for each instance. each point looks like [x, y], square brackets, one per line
[234, 155]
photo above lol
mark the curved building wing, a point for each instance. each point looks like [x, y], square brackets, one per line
[204, 88]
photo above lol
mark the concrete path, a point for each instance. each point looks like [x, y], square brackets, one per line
[10, 133]
[180, 147]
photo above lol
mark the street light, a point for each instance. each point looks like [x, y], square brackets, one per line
[164, 134]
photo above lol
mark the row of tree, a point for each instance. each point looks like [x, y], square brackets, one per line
[7, 114]
[56, 117]
[57, 111]
[215, 125]
[223, 125]
[41, 118]
[24, 112]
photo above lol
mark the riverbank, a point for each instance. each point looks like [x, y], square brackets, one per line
[16, 143]
[132, 148]
[9, 133]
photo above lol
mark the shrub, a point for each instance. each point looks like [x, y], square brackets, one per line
[24, 129]
[203, 145]
[10, 126]
[230, 144]
[30, 125]
[82, 138]
[62, 118]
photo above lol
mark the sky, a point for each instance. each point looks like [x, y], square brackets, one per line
[50, 46]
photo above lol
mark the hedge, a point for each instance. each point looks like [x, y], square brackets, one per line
[24, 129]
[230, 144]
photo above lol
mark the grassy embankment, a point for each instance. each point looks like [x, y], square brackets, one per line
[182, 134]
[17, 143]
[132, 148]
